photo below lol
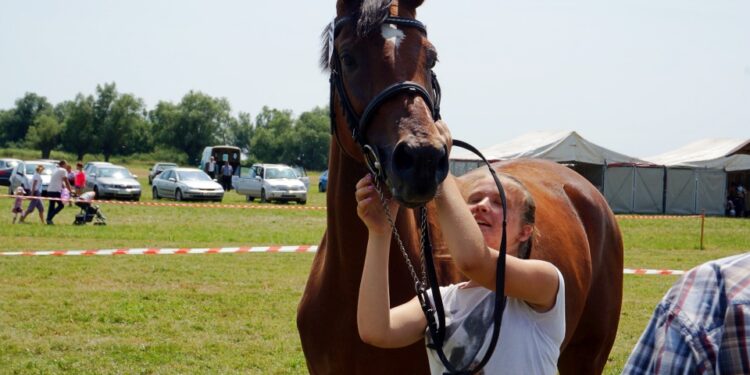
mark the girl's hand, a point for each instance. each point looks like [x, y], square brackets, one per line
[370, 209]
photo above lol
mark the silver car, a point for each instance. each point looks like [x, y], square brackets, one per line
[113, 181]
[272, 182]
[186, 183]
[23, 172]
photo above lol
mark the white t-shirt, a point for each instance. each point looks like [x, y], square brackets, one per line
[56, 181]
[529, 341]
[38, 180]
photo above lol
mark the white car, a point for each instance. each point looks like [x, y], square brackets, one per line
[186, 183]
[23, 172]
[112, 181]
[272, 182]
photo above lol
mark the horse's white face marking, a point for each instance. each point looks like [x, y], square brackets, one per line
[392, 35]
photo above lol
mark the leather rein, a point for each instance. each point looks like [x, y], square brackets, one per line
[357, 124]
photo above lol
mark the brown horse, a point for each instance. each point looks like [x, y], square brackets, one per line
[371, 52]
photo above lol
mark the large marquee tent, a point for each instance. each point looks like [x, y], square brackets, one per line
[697, 174]
[629, 184]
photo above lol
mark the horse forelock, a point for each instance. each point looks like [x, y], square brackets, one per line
[369, 15]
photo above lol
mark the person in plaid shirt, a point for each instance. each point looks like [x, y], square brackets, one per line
[702, 324]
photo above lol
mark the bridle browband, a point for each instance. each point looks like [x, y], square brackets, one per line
[358, 123]
[358, 126]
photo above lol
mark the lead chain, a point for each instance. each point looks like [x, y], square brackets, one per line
[417, 283]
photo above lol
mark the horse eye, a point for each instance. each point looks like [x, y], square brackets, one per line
[431, 62]
[348, 61]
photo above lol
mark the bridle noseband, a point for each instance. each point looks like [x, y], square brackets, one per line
[358, 123]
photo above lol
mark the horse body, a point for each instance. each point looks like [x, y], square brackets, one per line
[578, 233]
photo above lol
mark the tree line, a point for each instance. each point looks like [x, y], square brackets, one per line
[113, 123]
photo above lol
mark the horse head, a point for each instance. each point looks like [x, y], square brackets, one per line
[385, 97]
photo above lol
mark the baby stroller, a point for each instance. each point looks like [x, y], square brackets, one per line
[89, 212]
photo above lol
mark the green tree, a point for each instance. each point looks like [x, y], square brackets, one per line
[198, 121]
[307, 143]
[240, 131]
[118, 131]
[105, 97]
[28, 108]
[78, 134]
[44, 134]
[271, 126]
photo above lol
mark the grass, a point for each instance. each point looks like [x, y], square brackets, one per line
[232, 313]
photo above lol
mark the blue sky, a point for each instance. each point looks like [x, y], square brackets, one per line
[639, 77]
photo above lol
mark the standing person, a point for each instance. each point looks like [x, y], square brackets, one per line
[226, 176]
[18, 204]
[68, 192]
[58, 181]
[534, 316]
[211, 168]
[739, 203]
[36, 193]
[80, 179]
[701, 324]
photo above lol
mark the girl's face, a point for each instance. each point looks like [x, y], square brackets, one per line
[486, 207]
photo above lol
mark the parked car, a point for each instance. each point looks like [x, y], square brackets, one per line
[6, 168]
[158, 168]
[23, 172]
[323, 182]
[90, 165]
[112, 181]
[272, 182]
[186, 183]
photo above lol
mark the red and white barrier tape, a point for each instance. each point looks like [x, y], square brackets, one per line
[644, 271]
[195, 205]
[657, 216]
[170, 251]
[243, 249]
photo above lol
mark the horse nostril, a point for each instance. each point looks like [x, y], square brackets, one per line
[402, 157]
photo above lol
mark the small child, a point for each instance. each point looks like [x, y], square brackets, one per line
[18, 204]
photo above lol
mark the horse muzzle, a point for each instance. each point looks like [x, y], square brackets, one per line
[415, 171]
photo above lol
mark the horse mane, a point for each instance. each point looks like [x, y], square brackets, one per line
[370, 15]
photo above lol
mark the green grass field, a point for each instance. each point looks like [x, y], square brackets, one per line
[232, 313]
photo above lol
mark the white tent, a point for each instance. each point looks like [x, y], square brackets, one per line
[559, 146]
[630, 185]
[697, 174]
[722, 154]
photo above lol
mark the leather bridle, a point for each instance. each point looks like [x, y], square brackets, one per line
[358, 123]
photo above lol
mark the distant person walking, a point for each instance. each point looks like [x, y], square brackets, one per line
[58, 181]
[211, 168]
[36, 191]
[80, 179]
[226, 176]
[18, 204]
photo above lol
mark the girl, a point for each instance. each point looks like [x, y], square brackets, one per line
[18, 204]
[534, 318]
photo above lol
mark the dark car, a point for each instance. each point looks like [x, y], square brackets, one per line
[6, 169]
[157, 169]
[323, 182]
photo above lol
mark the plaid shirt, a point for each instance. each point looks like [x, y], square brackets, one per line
[702, 324]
